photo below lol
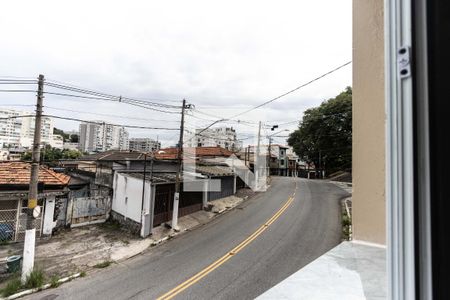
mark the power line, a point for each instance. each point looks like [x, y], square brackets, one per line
[109, 96]
[236, 122]
[293, 90]
[278, 97]
[13, 104]
[90, 122]
[79, 96]
[151, 108]
[155, 100]
[106, 123]
[107, 99]
[110, 115]
[16, 83]
[17, 91]
[16, 77]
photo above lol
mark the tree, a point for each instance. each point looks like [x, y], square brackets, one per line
[61, 133]
[324, 136]
[49, 154]
[74, 138]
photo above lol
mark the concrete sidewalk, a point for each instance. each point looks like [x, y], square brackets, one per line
[81, 249]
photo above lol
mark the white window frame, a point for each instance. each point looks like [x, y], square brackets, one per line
[401, 263]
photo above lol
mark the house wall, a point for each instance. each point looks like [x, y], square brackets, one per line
[89, 210]
[127, 199]
[104, 175]
[369, 204]
[226, 186]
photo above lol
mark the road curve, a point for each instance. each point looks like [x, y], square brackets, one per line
[307, 228]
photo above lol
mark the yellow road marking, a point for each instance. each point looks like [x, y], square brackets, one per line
[183, 286]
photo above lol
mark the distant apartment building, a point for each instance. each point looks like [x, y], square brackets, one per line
[71, 146]
[19, 132]
[102, 137]
[224, 137]
[10, 129]
[144, 144]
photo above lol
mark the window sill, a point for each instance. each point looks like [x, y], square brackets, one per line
[349, 271]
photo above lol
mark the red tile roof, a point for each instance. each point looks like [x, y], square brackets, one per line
[171, 153]
[18, 173]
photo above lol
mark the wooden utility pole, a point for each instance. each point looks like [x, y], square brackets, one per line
[269, 150]
[256, 160]
[33, 211]
[176, 197]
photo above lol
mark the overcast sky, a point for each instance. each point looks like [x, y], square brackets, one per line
[222, 56]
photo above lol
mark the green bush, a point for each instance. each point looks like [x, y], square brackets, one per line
[12, 287]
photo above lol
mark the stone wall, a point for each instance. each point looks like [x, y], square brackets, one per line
[126, 223]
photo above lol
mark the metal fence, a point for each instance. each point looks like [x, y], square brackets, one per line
[13, 221]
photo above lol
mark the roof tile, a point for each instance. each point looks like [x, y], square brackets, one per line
[17, 172]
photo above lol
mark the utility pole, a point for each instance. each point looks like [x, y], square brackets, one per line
[269, 155]
[320, 162]
[33, 211]
[143, 187]
[257, 158]
[176, 197]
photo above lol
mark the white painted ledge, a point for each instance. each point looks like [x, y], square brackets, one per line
[348, 271]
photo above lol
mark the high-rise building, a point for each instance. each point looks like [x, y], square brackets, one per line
[19, 132]
[144, 144]
[224, 137]
[102, 137]
[10, 129]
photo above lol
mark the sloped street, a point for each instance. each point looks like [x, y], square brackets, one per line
[299, 231]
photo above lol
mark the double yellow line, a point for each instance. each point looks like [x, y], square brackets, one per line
[178, 289]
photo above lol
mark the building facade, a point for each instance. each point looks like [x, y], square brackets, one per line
[18, 133]
[224, 137]
[102, 137]
[10, 129]
[144, 144]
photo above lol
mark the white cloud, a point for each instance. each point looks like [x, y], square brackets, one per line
[232, 54]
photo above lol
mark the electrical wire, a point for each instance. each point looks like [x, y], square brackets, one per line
[293, 90]
[17, 91]
[106, 123]
[280, 96]
[109, 96]
[90, 122]
[110, 115]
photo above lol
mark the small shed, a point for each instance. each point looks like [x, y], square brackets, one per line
[14, 186]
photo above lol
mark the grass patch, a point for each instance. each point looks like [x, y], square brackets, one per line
[35, 279]
[346, 220]
[346, 226]
[83, 274]
[54, 281]
[102, 265]
[12, 287]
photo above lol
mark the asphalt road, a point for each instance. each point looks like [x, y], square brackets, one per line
[307, 228]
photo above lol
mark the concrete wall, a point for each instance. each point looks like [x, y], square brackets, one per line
[48, 215]
[89, 210]
[369, 203]
[127, 199]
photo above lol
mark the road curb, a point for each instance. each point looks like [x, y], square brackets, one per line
[152, 244]
[44, 287]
